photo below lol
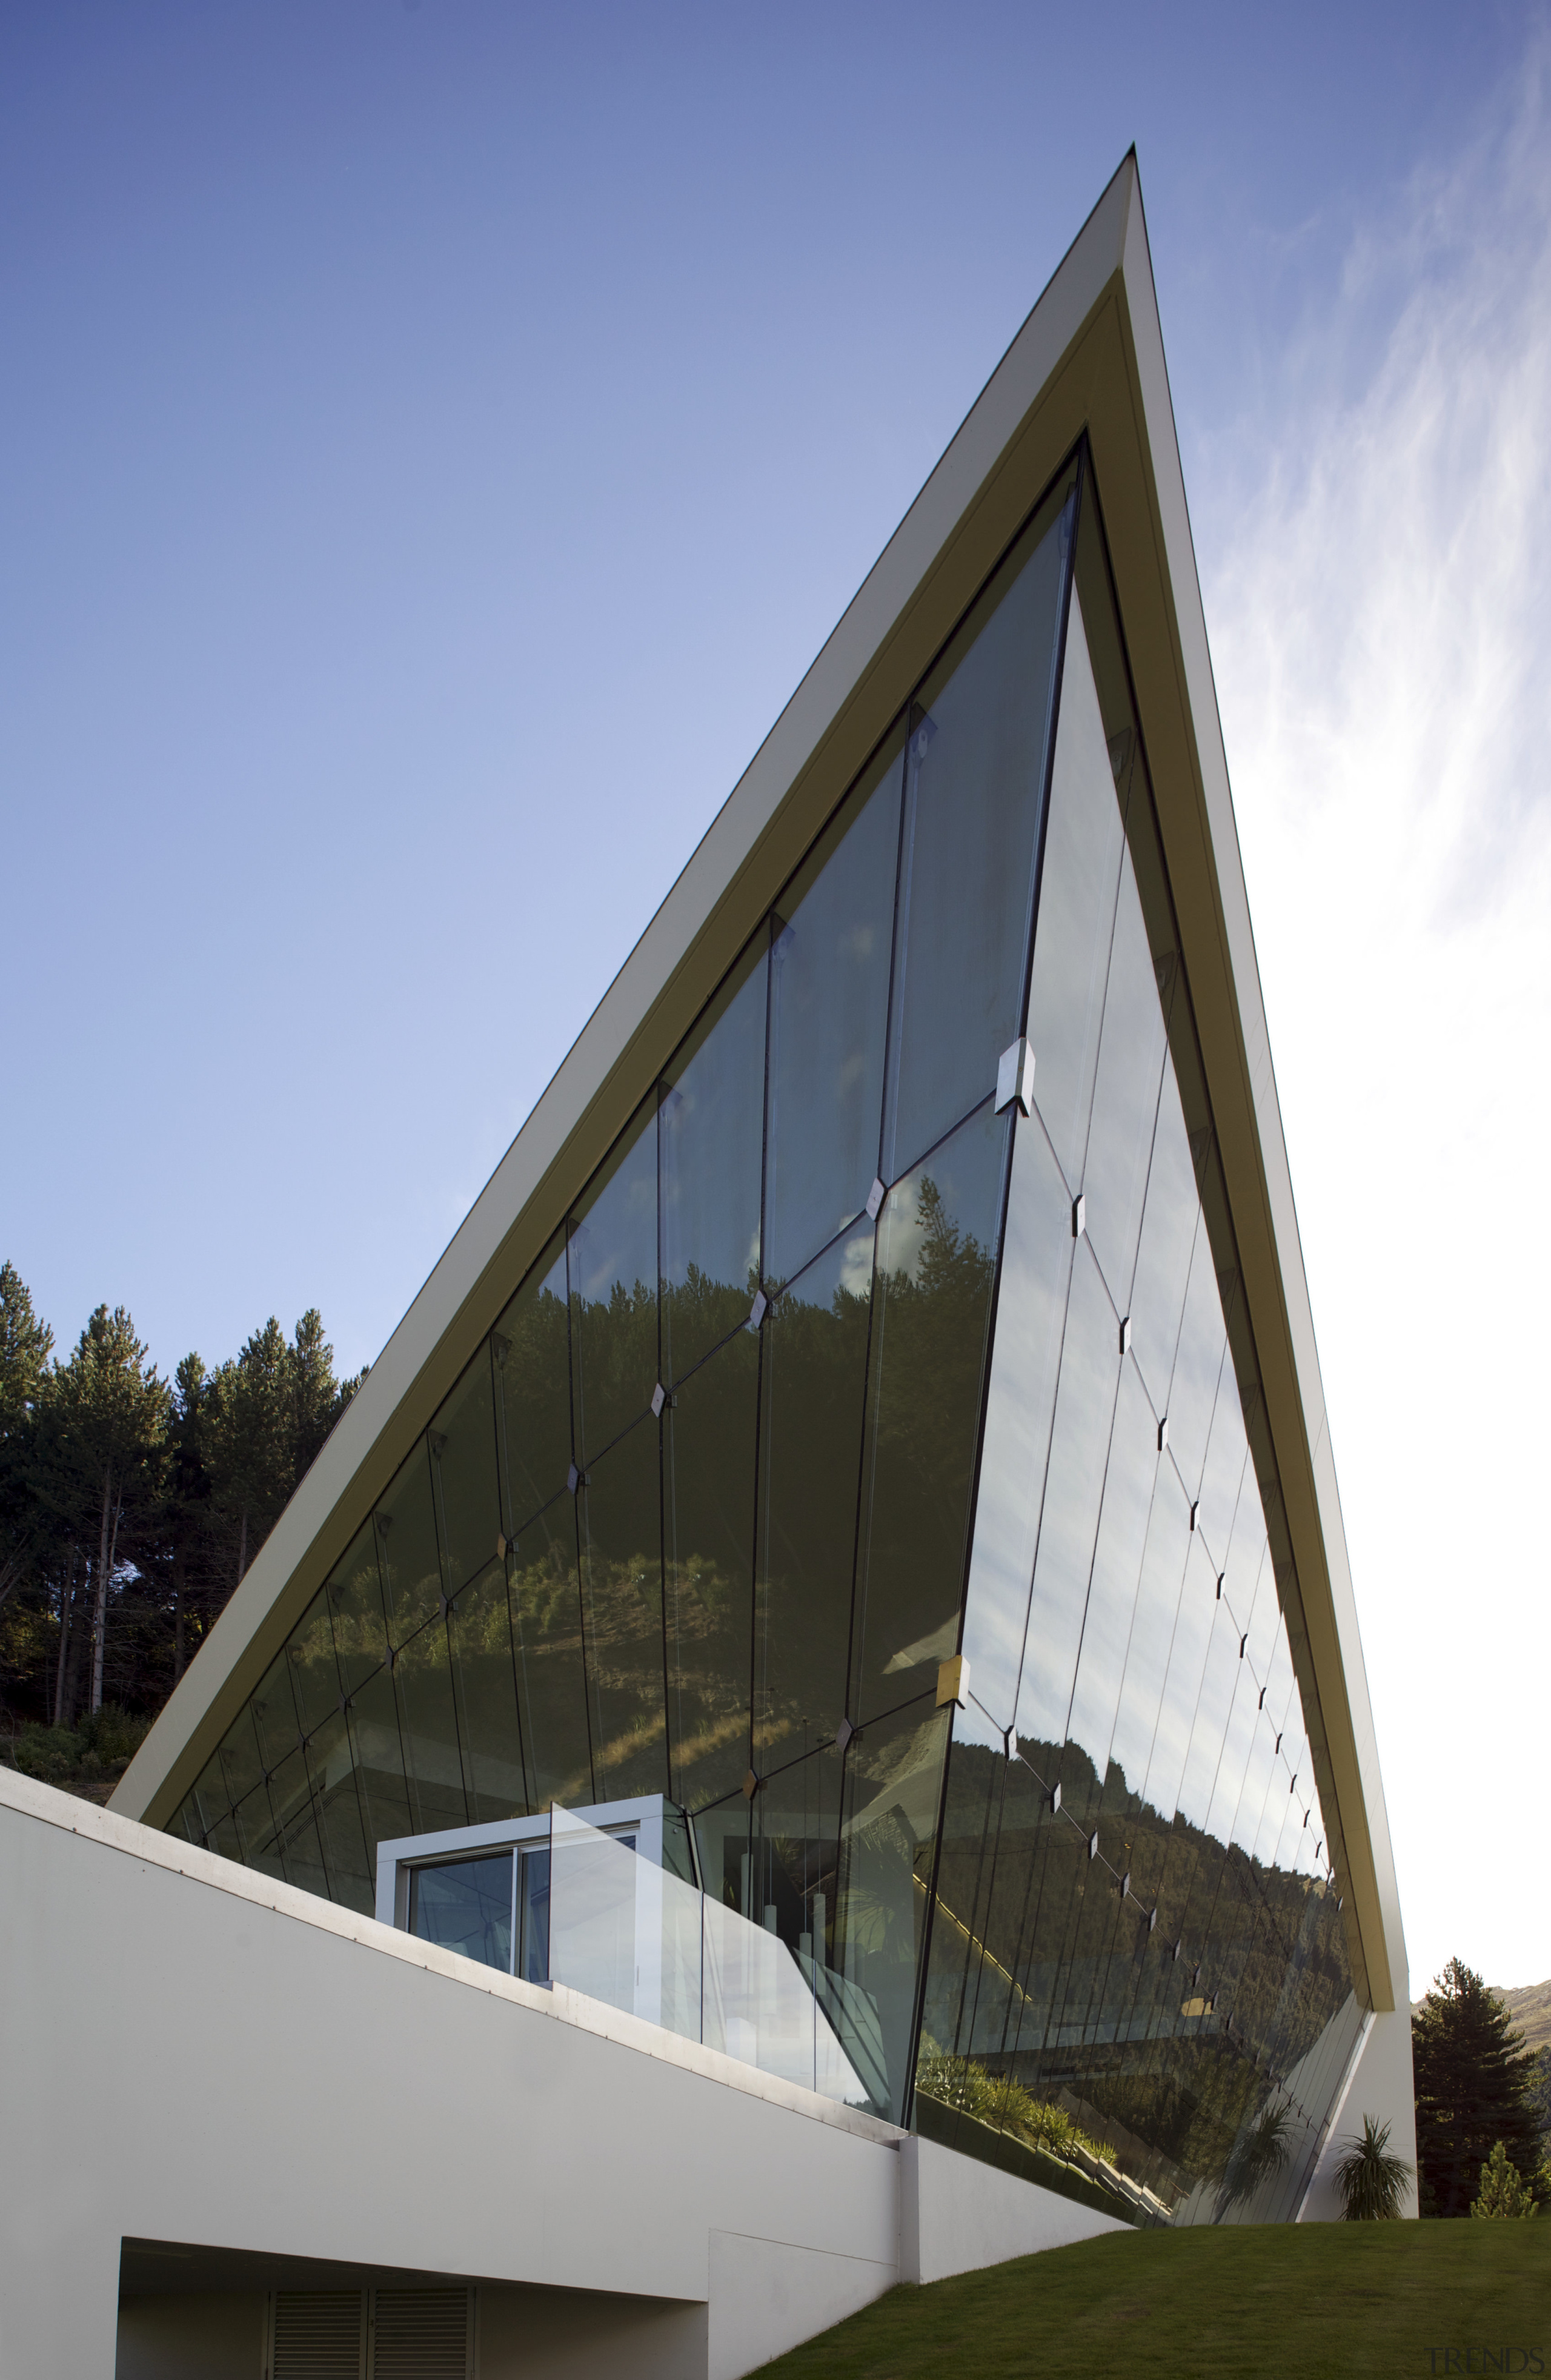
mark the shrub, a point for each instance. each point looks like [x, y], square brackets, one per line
[102, 1746]
[49, 1754]
[1504, 2193]
[1002, 2102]
[1370, 2182]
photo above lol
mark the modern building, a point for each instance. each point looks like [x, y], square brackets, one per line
[836, 1590]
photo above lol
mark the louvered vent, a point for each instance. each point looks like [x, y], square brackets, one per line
[421, 2335]
[318, 2335]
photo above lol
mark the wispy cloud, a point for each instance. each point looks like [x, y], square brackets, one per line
[1380, 605]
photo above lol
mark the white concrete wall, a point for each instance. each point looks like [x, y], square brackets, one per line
[1380, 2084]
[946, 2229]
[191, 2053]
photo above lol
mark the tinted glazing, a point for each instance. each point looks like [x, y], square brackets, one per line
[737, 1467]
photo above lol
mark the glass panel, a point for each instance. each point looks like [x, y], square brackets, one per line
[811, 1403]
[463, 1474]
[546, 1595]
[422, 1676]
[331, 1767]
[379, 1758]
[531, 1349]
[1152, 1637]
[1226, 1476]
[210, 1797]
[355, 1602]
[1163, 1264]
[1219, 1678]
[222, 1838]
[241, 1766]
[1126, 1091]
[612, 1267]
[258, 1839]
[406, 1550]
[974, 778]
[314, 1672]
[1197, 1369]
[1082, 849]
[829, 1021]
[467, 1907]
[1113, 1589]
[534, 1913]
[1025, 1356]
[275, 1718]
[619, 1513]
[295, 1827]
[1187, 1658]
[712, 1146]
[1262, 1625]
[484, 1692]
[931, 1311]
[638, 1937]
[710, 1435]
[1069, 1525]
[893, 1788]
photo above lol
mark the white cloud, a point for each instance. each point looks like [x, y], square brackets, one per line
[1382, 635]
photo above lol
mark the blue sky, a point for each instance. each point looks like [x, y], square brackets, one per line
[437, 439]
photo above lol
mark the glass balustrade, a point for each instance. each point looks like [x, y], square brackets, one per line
[632, 1935]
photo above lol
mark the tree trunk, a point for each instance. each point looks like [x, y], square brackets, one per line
[242, 1545]
[80, 1637]
[67, 1609]
[179, 1568]
[112, 1514]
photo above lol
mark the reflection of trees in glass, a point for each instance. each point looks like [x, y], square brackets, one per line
[814, 1382]
[705, 1311]
[1263, 2147]
[531, 1346]
[931, 1311]
[1040, 1962]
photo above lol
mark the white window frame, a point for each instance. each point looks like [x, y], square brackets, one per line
[399, 1858]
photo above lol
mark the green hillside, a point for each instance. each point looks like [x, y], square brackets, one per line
[1266, 2301]
[1530, 2006]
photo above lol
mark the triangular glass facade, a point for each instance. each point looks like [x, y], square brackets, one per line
[845, 1365]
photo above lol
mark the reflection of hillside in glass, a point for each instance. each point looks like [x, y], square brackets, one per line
[810, 1424]
[708, 1522]
[1043, 1967]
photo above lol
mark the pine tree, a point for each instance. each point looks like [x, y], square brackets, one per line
[1473, 2077]
[1504, 2196]
[102, 1477]
[25, 1346]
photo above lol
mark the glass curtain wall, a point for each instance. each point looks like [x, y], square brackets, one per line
[833, 1369]
[1137, 1963]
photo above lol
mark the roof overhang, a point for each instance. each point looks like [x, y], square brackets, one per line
[1089, 359]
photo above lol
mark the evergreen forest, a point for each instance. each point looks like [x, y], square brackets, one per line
[130, 1508]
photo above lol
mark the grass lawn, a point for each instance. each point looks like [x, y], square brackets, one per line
[1268, 2302]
